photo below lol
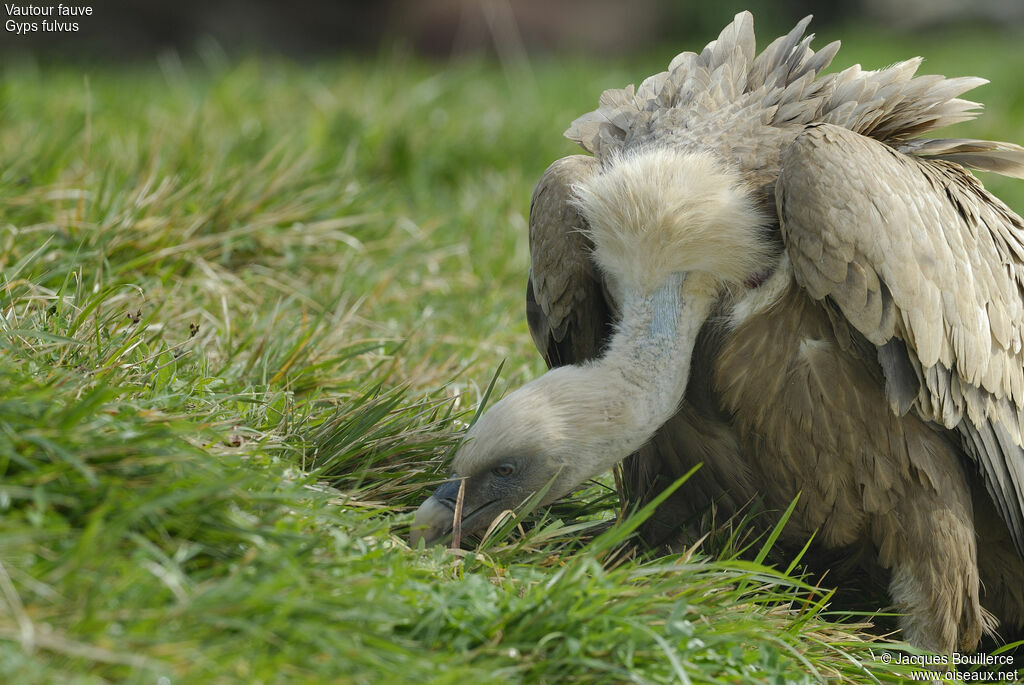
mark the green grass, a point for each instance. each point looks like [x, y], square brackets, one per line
[247, 308]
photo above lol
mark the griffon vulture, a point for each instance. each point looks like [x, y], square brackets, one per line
[769, 272]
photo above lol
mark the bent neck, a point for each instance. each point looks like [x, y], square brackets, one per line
[653, 346]
[639, 383]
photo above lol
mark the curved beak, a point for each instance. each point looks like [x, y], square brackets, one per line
[433, 521]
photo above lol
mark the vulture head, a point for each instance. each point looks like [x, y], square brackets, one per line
[671, 231]
[524, 443]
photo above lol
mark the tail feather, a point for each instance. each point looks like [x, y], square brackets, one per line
[985, 155]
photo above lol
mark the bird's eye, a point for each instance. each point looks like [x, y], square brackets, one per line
[504, 470]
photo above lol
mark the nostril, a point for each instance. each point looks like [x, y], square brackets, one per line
[447, 493]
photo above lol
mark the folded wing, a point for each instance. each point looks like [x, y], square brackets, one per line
[929, 267]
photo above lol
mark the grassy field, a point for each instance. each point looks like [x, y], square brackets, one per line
[247, 307]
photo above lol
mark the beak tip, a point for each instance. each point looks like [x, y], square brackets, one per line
[430, 523]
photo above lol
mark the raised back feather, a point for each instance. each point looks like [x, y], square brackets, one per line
[779, 88]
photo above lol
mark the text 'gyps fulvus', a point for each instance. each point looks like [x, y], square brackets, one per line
[808, 298]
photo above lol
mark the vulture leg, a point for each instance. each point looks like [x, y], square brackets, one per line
[935, 583]
[1000, 567]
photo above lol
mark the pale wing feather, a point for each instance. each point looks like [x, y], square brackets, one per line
[984, 155]
[566, 308]
[929, 267]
